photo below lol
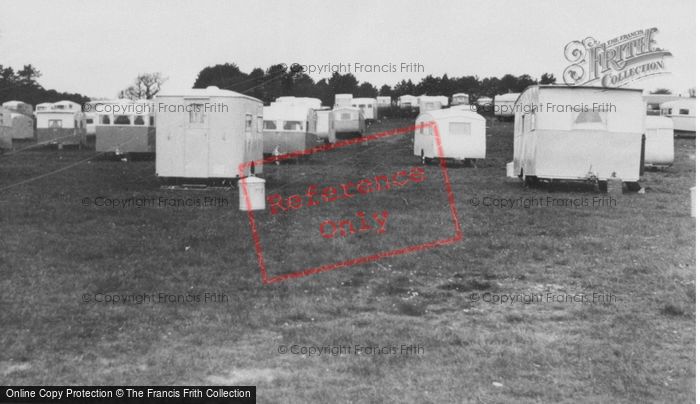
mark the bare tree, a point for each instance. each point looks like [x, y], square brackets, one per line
[146, 86]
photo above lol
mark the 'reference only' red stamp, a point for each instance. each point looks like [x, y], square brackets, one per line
[362, 221]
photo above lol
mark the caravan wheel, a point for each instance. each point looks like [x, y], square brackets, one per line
[531, 181]
[632, 186]
[602, 186]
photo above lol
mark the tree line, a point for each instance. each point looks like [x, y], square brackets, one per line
[22, 85]
[279, 80]
[269, 84]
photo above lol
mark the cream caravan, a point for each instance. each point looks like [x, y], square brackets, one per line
[320, 123]
[484, 102]
[462, 134]
[347, 121]
[343, 100]
[578, 133]
[383, 101]
[5, 130]
[125, 127]
[207, 133]
[60, 123]
[658, 144]
[408, 101]
[429, 103]
[285, 128]
[19, 107]
[22, 126]
[653, 102]
[368, 107]
[682, 112]
[460, 99]
[504, 104]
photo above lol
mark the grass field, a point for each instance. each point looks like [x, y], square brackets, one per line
[58, 251]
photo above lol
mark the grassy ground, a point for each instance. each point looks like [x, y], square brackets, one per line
[57, 250]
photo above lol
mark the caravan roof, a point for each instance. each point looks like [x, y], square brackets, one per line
[460, 111]
[507, 97]
[19, 106]
[63, 105]
[564, 86]
[305, 101]
[286, 111]
[684, 102]
[364, 100]
[211, 91]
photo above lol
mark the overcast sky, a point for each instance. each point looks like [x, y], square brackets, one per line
[97, 47]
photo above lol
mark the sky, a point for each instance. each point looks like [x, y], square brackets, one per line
[97, 47]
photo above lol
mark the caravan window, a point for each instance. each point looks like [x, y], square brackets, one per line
[55, 123]
[104, 119]
[122, 120]
[293, 125]
[89, 121]
[684, 111]
[269, 125]
[590, 120]
[151, 121]
[248, 122]
[345, 116]
[197, 114]
[139, 120]
[460, 128]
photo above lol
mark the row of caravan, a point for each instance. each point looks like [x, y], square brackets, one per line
[578, 144]
[209, 133]
[195, 141]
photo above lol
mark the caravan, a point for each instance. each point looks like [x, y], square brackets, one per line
[319, 124]
[658, 144]
[682, 112]
[383, 102]
[575, 143]
[504, 104]
[285, 128]
[654, 101]
[22, 126]
[347, 121]
[368, 107]
[60, 123]
[429, 103]
[207, 134]
[343, 100]
[462, 134]
[125, 126]
[460, 99]
[408, 101]
[19, 107]
[5, 130]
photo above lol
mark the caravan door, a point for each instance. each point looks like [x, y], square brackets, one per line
[196, 140]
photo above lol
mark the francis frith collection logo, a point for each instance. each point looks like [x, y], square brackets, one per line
[616, 62]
